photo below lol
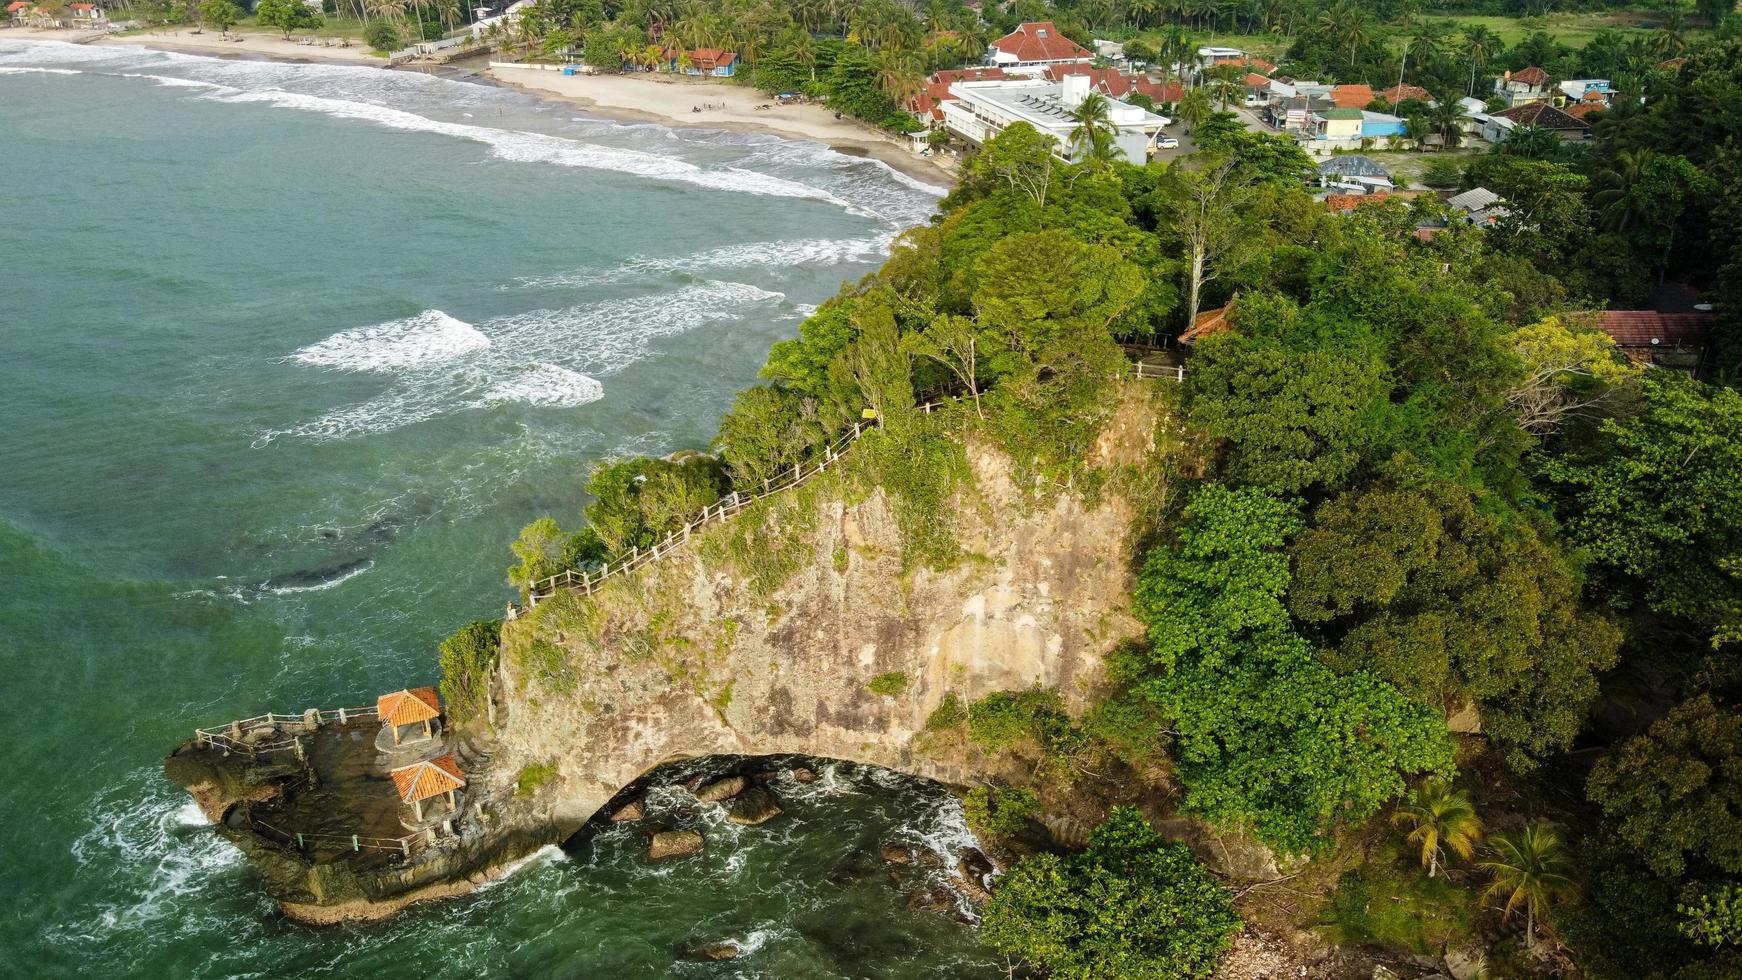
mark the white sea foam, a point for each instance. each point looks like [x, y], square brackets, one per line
[429, 338]
[331, 583]
[525, 147]
[547, 358]
[152, 835]
[544, 857]
[34, 70]
[547, 385]
[776, 255]
[171, 81]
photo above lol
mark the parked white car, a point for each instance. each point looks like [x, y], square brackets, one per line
[1166, 143]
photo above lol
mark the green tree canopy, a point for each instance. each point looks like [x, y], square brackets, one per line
[1674, 795]
[1133, 905]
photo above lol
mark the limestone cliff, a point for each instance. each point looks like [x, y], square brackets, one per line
[765, 635]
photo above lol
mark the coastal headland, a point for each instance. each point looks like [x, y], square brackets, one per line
[706, 651]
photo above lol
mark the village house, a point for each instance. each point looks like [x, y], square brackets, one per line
[1674, 341]
[716, 62]
[1334, 126]
[1354, 174]
[1580, 90]
[1524, 86]
[1030, 48]
[1478, 206]
[1351, 96]
[1542, 115]
[18, 10]
[1405, 93]
[979, 111]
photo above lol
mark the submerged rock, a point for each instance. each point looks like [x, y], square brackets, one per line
[674, 844]
[931, 898]
[753, 807]
[633, 810]
[803, 775]
[973, 869]
[722, 789]
[929, 858]
[718, 951]
[897, 854]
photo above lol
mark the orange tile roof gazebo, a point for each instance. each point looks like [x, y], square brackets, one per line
[409, 707]
[426, 780]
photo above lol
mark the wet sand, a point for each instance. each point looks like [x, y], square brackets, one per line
[668, 100]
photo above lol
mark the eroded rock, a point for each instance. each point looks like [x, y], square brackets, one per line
[668, 844]
[721, 790]
[894, 853]
[633, 810]
[803, 775]
[753, 807]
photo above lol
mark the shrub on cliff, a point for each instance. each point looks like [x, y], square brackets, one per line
[467, 657]
[999, 812]
[1134, 906]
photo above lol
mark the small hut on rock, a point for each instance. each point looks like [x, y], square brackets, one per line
[427, 780]
[402, 709]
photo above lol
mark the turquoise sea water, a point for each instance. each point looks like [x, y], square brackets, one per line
[287, 355]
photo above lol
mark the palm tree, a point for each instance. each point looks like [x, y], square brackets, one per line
[1226, 83]
[1530, 869]
[1417, 128]
[1195, 107]
[1530, 142]
[1618, 198]
[1093, 141]
[1480, 45]
[1671, 37]
[1439, 817]
[1448, 119]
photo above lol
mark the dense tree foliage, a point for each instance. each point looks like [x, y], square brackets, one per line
[1132, 905]
[1269, 738]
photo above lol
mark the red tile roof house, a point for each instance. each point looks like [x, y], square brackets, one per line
[18, 8]
[1524, 86]
[1676, 341]
[85, 11]
[1403, 93]
[1030, 48]
[1352, 96]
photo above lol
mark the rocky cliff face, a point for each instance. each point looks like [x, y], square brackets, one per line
[794, 629]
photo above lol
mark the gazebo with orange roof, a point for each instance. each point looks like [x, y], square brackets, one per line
[427, 780]
[417, 705]
[1209, 322]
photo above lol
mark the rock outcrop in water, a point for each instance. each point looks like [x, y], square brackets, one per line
[763, 637]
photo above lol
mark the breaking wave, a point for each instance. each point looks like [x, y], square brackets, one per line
[545, 358]
[428, 338]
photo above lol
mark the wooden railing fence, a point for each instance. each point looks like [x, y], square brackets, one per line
[585, 583]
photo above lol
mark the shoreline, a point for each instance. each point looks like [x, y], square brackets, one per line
[618, 98]
[669, 101]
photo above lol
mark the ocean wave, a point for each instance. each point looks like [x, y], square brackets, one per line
[526, 147]
[428, 338]
[776, 255]
[34, 70]
[547, 385]
[346, 573]
[138, 833]
[545, 358]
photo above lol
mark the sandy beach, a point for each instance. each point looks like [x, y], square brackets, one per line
[209, 43]
[661, 98]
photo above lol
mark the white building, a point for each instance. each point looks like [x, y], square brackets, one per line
[981, 110]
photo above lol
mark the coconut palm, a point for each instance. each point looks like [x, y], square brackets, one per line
[1094, 139]
[1671, 38]
[1439, 817]
[1620, 198]
[1480, 46]
[1448, 119]
[1529, 869]
[1195, 107]
[1226, 84]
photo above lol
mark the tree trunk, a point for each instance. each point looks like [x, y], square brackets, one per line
[1197, 285]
